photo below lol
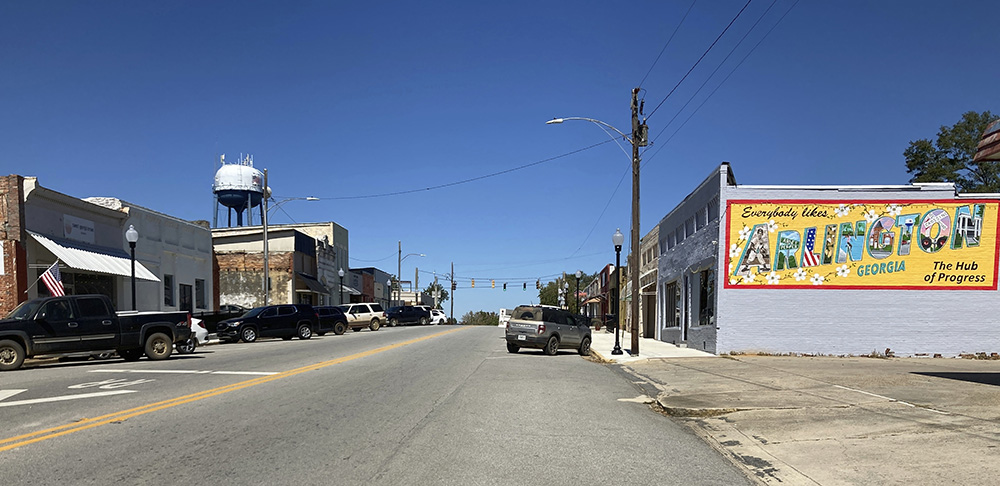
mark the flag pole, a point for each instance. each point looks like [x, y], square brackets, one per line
[40, 276]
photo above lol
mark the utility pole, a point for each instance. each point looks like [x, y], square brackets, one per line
[452, 290]
[263, 215]
[399, 272]
[640, 133]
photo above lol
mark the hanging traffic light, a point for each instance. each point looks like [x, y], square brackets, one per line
[525, 286]
[453, 286]
[505, 286]
[538, 284]
[473, 283]
[493, 284]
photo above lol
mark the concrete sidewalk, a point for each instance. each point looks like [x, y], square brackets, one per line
[829, 420]
[603, 342]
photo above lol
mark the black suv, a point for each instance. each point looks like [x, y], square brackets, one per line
[285, 321]
[408, 314]
[331, 317]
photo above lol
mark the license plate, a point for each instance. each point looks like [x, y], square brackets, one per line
[522, 337]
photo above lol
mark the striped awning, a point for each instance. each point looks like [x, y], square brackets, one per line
[99, 259]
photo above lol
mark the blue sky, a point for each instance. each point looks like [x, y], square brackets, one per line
[344, 99]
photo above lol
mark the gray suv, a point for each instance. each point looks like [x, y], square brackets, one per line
[548, 328]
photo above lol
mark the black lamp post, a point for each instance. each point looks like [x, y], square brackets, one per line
[578, 275]
[341, 273]
[388, 293]
[618, 238]
[132, 236]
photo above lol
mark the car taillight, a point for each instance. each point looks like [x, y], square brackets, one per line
[541, 328]
[189, 320]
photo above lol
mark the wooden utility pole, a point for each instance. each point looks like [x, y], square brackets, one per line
[639, 139]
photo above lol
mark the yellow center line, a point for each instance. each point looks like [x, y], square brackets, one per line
[89, 423]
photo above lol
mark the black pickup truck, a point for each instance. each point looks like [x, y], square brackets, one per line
[85, 323]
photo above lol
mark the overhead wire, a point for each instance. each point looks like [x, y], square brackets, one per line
[668, 43]
[731, 22]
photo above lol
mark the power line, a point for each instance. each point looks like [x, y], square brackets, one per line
[731, 22]
[668, 43]
[465, 181]
[724, 80]
[723, 62]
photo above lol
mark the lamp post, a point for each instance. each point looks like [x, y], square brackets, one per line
[388, 293]
[399, 269]
[267, 196]
[638, 139]
[578, 275]
[132, 236]
[618, 238]
[341, 273]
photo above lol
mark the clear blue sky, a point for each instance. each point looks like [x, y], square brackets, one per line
[341, 99]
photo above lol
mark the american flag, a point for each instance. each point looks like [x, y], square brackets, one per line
[53, 280]
[809, 259]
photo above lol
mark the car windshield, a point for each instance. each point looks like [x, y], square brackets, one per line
[24, 311]
[253, 312]
[527, 313]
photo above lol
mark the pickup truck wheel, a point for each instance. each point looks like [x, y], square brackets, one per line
[374, 325]
[304, 332]
[393, 322]
[130, 354]
[339, 328]
[552, 346]
[11, 355]
[159, 346]
[187, 346]
[423, 321]
[584, 348]
[249, 334]
[512, 348]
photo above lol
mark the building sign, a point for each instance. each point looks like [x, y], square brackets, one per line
[871, 244]
[78, 229]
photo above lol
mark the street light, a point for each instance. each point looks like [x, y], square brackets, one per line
[618, 238]
[341, 273]
[132, 236]
[388, 293]
[578, 275]
[399, 269]
[638, 139]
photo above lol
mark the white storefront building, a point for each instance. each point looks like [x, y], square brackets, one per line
[830, 269]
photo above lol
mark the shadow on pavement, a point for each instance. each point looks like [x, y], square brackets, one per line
[984, 378]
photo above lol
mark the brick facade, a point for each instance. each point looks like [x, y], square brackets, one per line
[14, 278]
[240, 275]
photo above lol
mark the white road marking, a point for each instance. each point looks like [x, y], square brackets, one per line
[189, 372]
[64, 398]
[4, 394]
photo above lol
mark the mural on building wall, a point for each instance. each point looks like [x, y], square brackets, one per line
[871, 244]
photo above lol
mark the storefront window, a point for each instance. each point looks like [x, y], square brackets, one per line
[199, 293]
[706, 298]
[673, 299]
[168, 290]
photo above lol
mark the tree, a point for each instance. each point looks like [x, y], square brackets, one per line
[949, 159]
[437, 287]
[480, 318]
[549, 294]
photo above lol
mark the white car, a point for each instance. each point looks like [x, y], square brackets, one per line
[438, 317]
[199, 337]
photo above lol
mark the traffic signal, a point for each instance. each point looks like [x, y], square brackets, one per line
[473, 283]
[493, 284]
[525, 286]
[538, 284]
[505, 287]
[453, 286]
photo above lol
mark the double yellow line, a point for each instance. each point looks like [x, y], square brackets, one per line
[89, 423]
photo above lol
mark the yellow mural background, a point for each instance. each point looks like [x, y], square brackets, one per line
[968, 267]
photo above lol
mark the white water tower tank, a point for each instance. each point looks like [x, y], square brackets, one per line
[239, 187]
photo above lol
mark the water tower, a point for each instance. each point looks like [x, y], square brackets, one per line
[239, 187]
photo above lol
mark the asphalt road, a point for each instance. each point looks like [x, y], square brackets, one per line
[412, 405]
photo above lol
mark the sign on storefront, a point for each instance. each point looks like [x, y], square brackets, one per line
[869, 244]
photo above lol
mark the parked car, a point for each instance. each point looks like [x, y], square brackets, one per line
[331, 318]
[438, 317]
[408, 314]
[362, 315]
[199, 336]
[285, 321]
[87, 324]
[547, 328]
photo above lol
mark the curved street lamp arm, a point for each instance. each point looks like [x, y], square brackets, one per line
[603, 126]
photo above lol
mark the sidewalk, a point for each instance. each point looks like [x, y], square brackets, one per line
[603, 342]
[829, 420]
